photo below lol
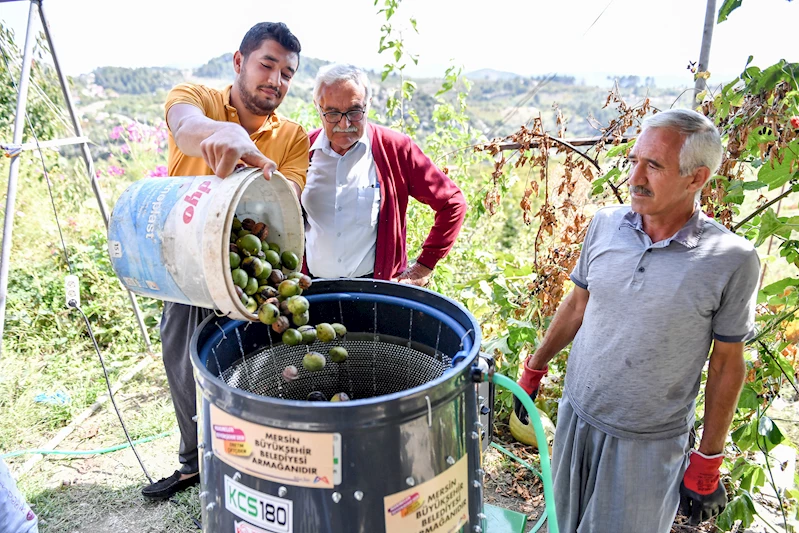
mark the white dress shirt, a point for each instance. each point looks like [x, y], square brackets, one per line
[342, 202]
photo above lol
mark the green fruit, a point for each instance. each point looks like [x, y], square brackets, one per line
[299, 304]
[301, 319]
[268, 314]
[235, 260]
[252, 287]
[325, 332]
[339, 329]
[274, 246]
[236, 224]
[240, 278]
[252, 305]
[273, 258]
[242, 232]
[290, 260]
[291, 337]
[249, 243]
[338, 354]
[340, 397]
[266, 270]
[308, 335]
[253, 267]
[294, 275]
[288, 288]
[313, 361]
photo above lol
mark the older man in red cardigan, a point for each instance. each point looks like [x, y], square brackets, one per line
[359, 181]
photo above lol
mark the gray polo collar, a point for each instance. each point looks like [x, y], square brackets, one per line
[688, 235]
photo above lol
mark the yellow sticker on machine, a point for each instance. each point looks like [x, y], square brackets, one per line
[440, 505]
[298, 458]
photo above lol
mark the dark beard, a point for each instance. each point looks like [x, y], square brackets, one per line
[254, 105]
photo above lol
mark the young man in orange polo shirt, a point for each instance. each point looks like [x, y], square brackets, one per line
[210, 132]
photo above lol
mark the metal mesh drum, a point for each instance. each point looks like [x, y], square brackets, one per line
[376, 365]
[402, 454]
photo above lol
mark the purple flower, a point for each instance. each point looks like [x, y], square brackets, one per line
[125, 149]
[114, 170]
[159, 172]
[116, 132]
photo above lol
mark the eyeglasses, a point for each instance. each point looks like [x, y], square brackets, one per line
[356, 115]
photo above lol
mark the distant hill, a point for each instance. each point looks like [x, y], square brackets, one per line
[222, 68]
[489, 74]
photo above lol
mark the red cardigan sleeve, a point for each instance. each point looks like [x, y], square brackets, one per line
[429, 185]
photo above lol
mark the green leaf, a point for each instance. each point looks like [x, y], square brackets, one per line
[621, 148]
[780, 286]
[748, 399]
[769, 224]
[770, 433]
[776, 174]
[744, 437]
[726, 8]
[740, 508]
[753, 185]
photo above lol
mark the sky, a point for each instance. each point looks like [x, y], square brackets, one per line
[589, 39]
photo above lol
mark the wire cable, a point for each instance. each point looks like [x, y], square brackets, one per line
[74, 304]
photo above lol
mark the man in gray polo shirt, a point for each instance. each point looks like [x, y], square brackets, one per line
[656, 285]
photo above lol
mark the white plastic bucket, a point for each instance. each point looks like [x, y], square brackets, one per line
[169, 238]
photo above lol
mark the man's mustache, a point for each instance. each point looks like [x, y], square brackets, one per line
[637, 189]
[351, 129]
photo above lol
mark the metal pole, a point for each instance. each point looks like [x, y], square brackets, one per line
[87, 158]
[11, 197]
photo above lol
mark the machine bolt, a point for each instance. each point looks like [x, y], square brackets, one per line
[282, 491]
[237, 476]
[480, 472]
[195, 418]
[208, 455]
[480, 399]
[478, 424]
[410, 481]
[477, 529]
[336, 497]
[475, 436]
[358, 495]
[450, 460]
[484, 410]
[210, 506]
[476, 484]
[200, 445]
[203, 494]
[481, 516]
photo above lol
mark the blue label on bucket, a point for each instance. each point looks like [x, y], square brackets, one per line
[135, 237]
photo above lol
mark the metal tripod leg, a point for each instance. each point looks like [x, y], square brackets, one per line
[19, 122]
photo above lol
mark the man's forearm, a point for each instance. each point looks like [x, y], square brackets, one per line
[724, 382]
[564, 327]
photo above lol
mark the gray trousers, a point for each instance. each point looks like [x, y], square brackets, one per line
[605, 484]
[177, 326]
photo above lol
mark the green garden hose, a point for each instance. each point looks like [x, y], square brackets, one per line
[543, 452]
[86, 452]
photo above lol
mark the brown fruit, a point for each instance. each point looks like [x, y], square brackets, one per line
[304, 281]
[263, 233]
[281, 325]
[274, 301]
[284, 308]
[276, 276]
[248, 224]
[234, 248]
[269, 292]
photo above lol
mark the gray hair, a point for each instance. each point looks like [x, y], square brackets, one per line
[702, 146]
[338, 72]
